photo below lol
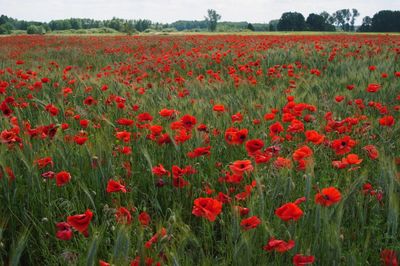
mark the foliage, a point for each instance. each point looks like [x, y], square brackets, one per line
[291, 21]
[212, 19]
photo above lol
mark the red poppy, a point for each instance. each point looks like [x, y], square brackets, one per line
[387, 121]
[234, 136]
[64, 231]
[115, 186]
[144, 218]
[62, 178]
[167, 113]
[373, 87]
[242, 211]
[353, 159]
[254, 145]
[343, 145]
[241, 166]
[125, 122]
[208, 208]
[389, 257]
[123, 216]
[302, 153]
[103, 263]
[250, 223]
[188, 121]
[314, 137]
[81, 221]
[160, 171]
[201, 151]
[43, 162]
[219, 108]
[300, 260]
[328, 196]
[372, 151]
[289, 211]
[279, 245]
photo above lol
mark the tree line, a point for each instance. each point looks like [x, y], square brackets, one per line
[343, 20]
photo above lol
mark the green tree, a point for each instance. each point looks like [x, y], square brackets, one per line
[366, 24]
[33, 29]
[250, 27]
[386, 21]
[354, 14]
[292, 21]
[212, 19]
[315, 22]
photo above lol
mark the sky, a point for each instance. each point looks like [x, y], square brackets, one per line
[167, 11]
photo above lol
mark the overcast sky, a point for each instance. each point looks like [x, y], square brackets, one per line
[172, 10]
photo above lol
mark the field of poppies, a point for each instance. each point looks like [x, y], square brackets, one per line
[200, 150]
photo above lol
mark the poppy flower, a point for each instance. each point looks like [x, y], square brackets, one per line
[373, 87]
[279, 245]
[43, 162]
[314, 137]
[250, 223]
[144, 218]
[115, 186]
[219, 108]
[353, 159]
[282, 162]
[236, 118]
[208, 208]
[103, 263]
[389, 257]
[64, 231]
[201, 151]
[343, 145]
[123, 135]
[372, 151]
[254, 145]
[387, 121]
[328, 196]
[62, 178]
[242, 211]
[188, 121]
[53, 110]
[123, 216]
[160, 171]
[275, 129]
[289, 211]
[234, 136]
[241, 166]
[125, 122]
[300, 260]
[302, 153]
[81, 221]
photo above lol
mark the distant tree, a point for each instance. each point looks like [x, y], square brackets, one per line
[343, 17]
[291, 21]
[4, 29]
[315, 22]
[354, 14]
[250, 27]
[319, 22]
[129, 27]
[366, 24]
[212, 19]
[142, 24]
[273, 25]
[32, 29]
[76, 24]
[386, 21]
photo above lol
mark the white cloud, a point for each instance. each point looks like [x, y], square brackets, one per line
[170, 10]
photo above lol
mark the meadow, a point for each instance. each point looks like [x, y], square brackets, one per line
[200, 150]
